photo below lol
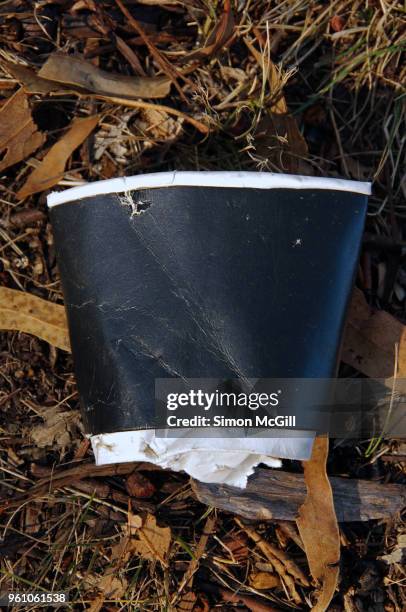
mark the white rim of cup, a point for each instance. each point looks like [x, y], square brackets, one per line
[237, 180]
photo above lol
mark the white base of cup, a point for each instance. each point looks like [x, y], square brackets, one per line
[216, 460]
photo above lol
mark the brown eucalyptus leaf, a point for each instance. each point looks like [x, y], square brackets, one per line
[30, 314]
[287, 569]
[318, 527]
[370, 339]
[51, 169]
[19, 136]
[30, 80]
[75, 71]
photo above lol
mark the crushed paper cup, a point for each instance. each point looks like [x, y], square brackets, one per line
[202, 275]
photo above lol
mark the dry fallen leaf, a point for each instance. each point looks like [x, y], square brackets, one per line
[51, 169]
[398, 554]
[19, 136]
[370, 338]
[30, 80]
[153, 542]
[35, 84]
[237, 598]
[112, 587]
[187, 603]
[30, 314]
[264, 580]
[277, 137]
[59, 429]
[77, 72]
[318, 528]
[145, 538]
[157, 125]
[337, 23]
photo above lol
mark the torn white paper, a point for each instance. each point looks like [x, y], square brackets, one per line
[220, 460]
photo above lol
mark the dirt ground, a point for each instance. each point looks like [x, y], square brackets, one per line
[314, 88]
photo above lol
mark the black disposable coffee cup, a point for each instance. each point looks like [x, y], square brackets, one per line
[202, 275]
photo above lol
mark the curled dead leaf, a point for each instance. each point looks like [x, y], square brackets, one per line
[35, 84]
[337, 23]
[237, 545]
[279, 140]
[318, 528]
[59, 429]
[74, 71]
[30, 80]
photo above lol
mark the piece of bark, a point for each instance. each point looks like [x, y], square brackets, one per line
[277, 495]
[58, 479]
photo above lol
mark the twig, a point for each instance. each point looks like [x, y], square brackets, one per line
[204, 129]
